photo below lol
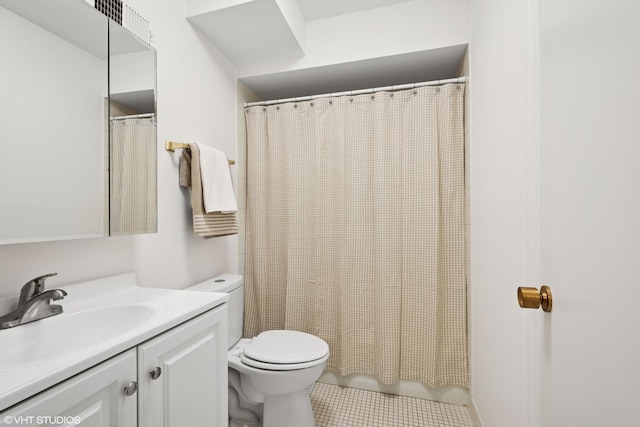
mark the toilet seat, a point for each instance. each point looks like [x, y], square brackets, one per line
[284, 350]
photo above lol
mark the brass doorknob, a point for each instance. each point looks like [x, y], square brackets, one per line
[532, 298]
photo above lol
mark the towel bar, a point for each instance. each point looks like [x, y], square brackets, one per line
[173, 146]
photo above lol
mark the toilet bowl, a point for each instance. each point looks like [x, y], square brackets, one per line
[270, 374]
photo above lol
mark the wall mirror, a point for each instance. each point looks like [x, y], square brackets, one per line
[133, 159]
[55, 118]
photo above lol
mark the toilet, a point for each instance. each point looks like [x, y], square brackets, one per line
[270, 374]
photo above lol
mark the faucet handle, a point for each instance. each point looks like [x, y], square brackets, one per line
[33, 287]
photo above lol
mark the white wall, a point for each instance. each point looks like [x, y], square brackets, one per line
[196, 102]
[498, 155]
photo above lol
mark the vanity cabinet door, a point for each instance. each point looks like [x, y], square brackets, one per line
[94, 398]
[182, 374]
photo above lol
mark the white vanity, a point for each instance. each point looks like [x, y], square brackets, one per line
[119, 355]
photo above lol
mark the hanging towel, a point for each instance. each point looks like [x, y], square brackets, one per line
[204, 224]
[217, 188]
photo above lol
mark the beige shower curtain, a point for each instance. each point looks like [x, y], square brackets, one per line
[133, 193]
[355, 230]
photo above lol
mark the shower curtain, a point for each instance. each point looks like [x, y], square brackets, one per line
[355, 230]
[133, 190]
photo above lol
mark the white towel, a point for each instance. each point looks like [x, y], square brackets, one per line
[217, 187]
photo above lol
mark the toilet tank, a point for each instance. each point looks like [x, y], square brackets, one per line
[232, 284]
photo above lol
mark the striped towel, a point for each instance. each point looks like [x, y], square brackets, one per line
[204, 224]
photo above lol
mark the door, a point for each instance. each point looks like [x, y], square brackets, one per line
[94, 398]
[182, 374]
[590, 212]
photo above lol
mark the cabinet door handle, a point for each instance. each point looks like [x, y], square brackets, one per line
[131, 388]
[155, 373]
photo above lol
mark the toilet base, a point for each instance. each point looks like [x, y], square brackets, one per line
[243, 412]
[288, 410]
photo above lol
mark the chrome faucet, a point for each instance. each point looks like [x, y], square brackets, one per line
[34, 303]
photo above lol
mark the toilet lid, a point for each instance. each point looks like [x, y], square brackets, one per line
[285, 348]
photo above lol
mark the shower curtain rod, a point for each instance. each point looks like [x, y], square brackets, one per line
[358, 92]
[133, 116]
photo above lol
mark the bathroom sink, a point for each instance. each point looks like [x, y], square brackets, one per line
[100, 319]
[65, 333]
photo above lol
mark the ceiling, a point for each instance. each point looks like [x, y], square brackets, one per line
[318, 9]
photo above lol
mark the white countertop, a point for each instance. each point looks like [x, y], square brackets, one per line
[101, 318]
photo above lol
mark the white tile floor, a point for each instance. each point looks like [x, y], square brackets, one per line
[335, 406]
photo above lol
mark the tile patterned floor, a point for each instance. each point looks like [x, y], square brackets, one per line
[335, 406]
